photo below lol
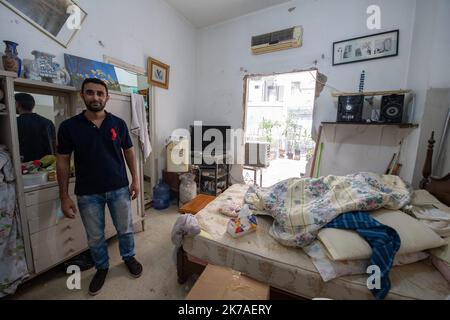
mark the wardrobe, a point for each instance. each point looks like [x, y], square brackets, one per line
[50, 238]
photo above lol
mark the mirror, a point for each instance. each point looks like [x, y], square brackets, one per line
[38, 119]
[58, 19]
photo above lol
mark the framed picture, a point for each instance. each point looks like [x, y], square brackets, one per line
[82, 68]
[58, 19]
[158, 73]
[375, 46]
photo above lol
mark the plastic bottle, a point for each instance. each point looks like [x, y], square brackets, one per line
[161, 196]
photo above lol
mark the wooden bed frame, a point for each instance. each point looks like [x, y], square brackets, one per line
[439, 187]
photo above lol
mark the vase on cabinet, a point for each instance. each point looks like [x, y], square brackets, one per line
[10, 59]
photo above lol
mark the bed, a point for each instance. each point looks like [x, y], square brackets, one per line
[289, 271]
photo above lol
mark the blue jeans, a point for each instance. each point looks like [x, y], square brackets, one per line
[92, 211]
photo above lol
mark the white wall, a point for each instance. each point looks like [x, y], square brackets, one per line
[224, 50]
[130, 31]
[428, 68]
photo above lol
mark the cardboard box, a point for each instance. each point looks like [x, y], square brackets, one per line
[220, 283]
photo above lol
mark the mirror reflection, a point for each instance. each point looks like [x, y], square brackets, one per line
[38, 119]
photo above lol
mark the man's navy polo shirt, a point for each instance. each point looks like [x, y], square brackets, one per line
[99, 162]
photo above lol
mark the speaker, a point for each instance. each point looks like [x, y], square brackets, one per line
[391, 110]
[350, 108]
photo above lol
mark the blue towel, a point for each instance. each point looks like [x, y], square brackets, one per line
[383, 240]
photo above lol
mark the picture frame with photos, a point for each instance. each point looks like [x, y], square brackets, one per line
[158, 73]
[370, 47]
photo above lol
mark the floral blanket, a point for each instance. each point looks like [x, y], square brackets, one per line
[302, 206]
[13, 267]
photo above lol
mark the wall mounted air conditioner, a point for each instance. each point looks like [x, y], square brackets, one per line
[278, 40]
[257, 154]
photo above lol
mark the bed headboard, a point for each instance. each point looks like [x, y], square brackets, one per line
[439, 187]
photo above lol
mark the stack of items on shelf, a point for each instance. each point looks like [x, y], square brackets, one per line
[38, 172]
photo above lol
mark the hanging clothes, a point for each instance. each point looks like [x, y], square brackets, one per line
[13, 267]
[139, 126]
[383, 240]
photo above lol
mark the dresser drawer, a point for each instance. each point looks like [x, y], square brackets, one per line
[45, 215]
[46, 194]
[53, 245]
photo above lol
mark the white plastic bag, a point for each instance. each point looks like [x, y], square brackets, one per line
[188, 188]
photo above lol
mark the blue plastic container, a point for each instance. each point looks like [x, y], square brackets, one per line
[161, 196]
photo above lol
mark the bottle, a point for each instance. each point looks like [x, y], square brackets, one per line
[161, 196]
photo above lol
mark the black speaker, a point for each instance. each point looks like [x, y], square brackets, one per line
[350, 108]
[391, 110]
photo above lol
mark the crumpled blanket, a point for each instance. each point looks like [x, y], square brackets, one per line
[185, 226]
[302, 206]
[430, 211]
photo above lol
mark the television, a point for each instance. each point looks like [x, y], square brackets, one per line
[217, 136]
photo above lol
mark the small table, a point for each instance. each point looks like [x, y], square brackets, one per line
[196, 204]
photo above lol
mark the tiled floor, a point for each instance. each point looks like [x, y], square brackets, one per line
[154, 250]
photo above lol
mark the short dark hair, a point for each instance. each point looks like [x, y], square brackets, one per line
[25, 100]
[94, 80]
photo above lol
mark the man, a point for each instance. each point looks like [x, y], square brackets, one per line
[97, 138]
[36, 134]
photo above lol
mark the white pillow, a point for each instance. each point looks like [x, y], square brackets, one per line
[330, 269]
[349, 245]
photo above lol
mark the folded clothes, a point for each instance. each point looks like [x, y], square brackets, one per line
[435, 218]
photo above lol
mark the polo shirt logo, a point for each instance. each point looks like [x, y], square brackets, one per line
[113, 134]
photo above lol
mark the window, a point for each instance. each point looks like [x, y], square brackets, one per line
[296, 88]
[274, 93]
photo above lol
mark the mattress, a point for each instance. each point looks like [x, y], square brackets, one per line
[259, 256]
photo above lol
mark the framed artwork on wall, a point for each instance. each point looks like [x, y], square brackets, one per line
[58, 19]
[81, 68]
[158, 73]
[371, 47]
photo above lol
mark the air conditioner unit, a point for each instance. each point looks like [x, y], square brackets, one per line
[278, 40]
[257, 154]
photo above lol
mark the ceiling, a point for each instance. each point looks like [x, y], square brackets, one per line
[203, 13]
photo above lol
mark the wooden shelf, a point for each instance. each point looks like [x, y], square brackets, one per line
[10, 74]
[400, 125]
[370, 93]
[212, 177]
[3, 113]
[44, 85]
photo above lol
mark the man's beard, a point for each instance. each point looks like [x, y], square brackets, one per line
[95, 107]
